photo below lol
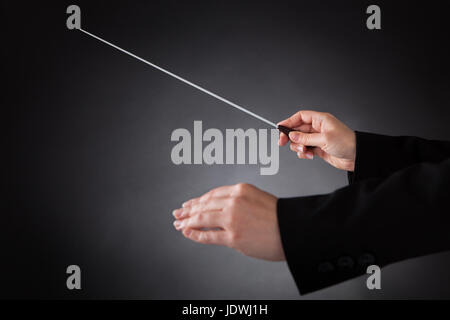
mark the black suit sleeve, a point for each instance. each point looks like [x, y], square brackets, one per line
[379, 156]
[383, 217]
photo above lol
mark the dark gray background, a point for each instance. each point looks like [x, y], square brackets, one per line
[90, 180]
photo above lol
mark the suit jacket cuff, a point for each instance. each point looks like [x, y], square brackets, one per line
[373, 157]
[315, 248]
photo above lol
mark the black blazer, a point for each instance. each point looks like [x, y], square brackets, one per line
[396, 207]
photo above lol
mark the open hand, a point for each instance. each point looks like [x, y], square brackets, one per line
[241, 217]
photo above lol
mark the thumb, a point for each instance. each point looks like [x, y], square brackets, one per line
[307, 139]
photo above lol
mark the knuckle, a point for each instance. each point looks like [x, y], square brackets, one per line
[190, 236]
[327, 115]
[188, 222]
[194, 209]
[205, 197]
[297, 115]
[202, 237]
[195, 236]
[242, 188]
[199, 219]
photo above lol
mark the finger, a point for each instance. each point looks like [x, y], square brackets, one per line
[302, 151]
[207, 237]
[307, 128]
[309, 155]
[302, 117]
[284, 139]
[190, 202]
[297, 147]
[219, 192]
[215, 204]
[216, 192]
[307, 139]
[297, 119]
[177, 213]
[301, 155]
[320, 153]
[293, 121]
[211, 219]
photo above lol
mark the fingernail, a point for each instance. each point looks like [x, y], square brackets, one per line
[309, 155]
[300, 148]
[177, 213]
[293, 136]
[185, 212]
[188, 232]
[299, 154]
[177, 224]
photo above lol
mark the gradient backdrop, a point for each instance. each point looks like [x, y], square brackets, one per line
[89, 179]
